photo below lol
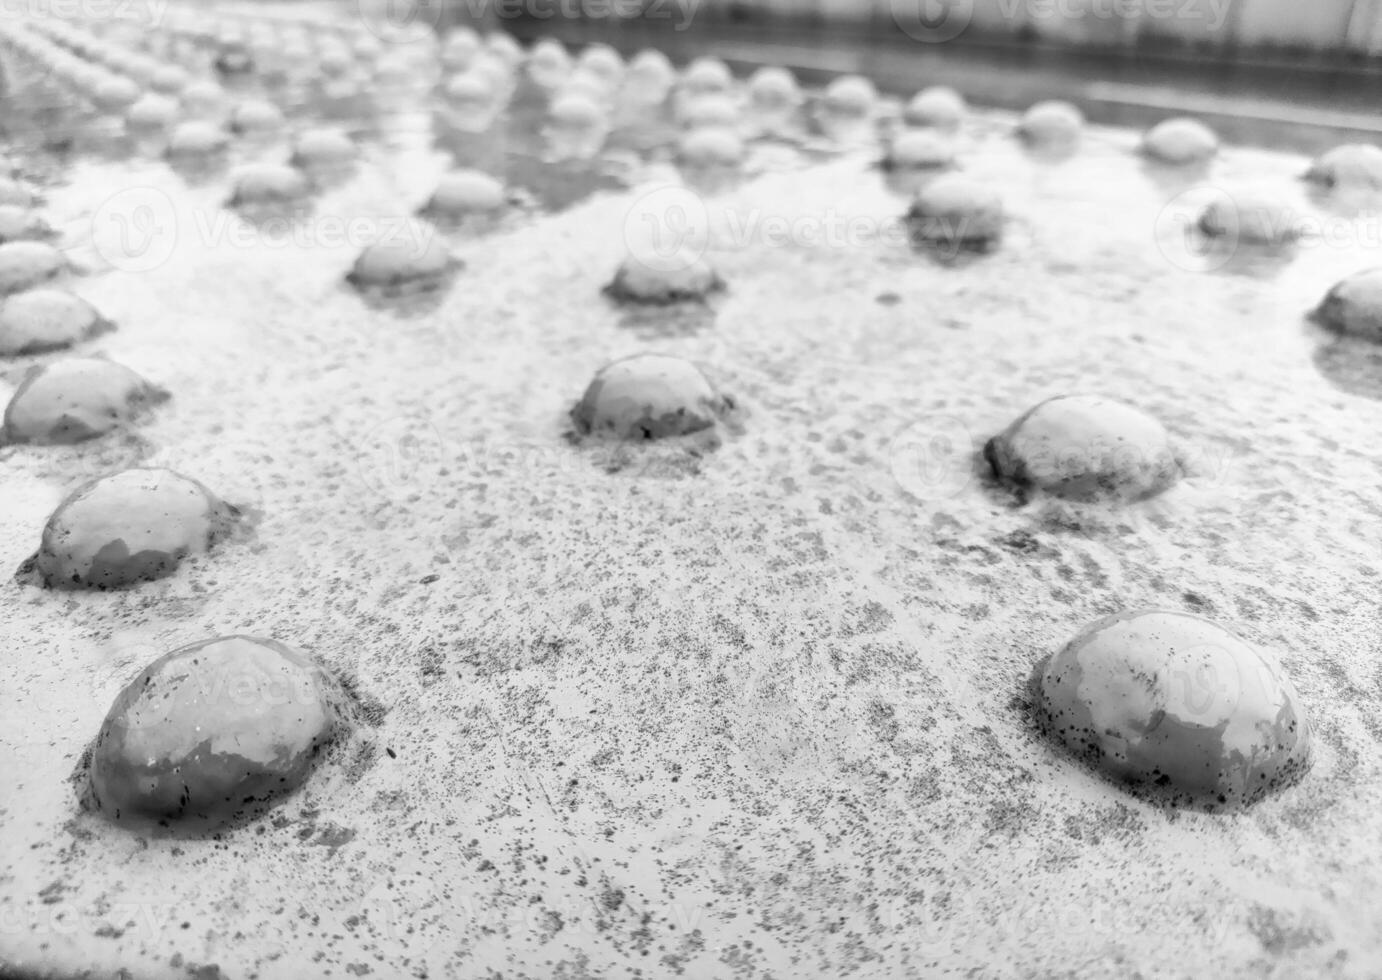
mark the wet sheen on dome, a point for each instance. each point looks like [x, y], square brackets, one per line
[1177, 703]
[213, 732]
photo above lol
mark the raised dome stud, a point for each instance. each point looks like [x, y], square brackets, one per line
[412, 257]
[1251, 215]
[1178, 704]
[955, 212]
[1354, 306]
[40, 320]
[1181, 141]
[19, 224]
[256, 117]
[25, 264]
[938, 107]
[195, 139]
[688, 279]
[465, 192]
[709, 147]
[76, 399]
[213, 733]
[132, 526]
[323, 146]
[1353, 166]
[648, 396]
[851, 96]
[256, 185]
[1051, 123]
[1086, 447]
[919, 149]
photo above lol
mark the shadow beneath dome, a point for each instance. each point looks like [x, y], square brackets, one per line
[908, 182]
[1174, 178]
[1351, 364]
[686, 318]
[952, 254]
[199, 170]
[1251, 260]
[1160, 793]
[342, 757]
[406, 301]
[1344, 202]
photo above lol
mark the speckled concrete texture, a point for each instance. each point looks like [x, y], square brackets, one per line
[756, 709]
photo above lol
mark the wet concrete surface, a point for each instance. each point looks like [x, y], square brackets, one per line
[753, 706]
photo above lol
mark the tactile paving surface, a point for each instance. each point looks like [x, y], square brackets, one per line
[753, 705]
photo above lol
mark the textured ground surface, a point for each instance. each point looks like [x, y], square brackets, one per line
[757, 712]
